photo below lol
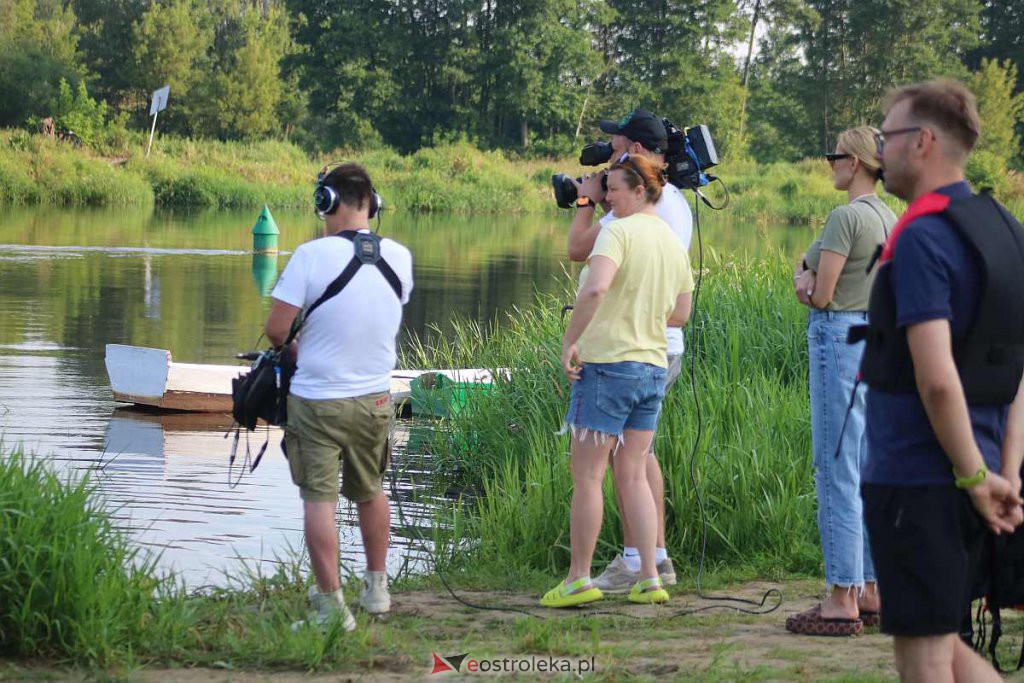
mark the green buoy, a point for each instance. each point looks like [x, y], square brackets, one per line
[264, 272]
[265, 233]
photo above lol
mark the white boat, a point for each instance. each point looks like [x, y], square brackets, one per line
[148, 377]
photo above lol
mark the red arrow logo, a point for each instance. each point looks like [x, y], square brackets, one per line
[441, 665]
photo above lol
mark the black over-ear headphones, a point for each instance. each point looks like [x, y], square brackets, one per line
[326, 198]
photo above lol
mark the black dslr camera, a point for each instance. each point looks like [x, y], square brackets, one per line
[689, 154]
[594, 154]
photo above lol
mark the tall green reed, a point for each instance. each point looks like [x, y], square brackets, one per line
[71, 585]
[748, 342]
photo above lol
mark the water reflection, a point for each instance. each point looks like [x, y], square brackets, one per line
[72, 281]
[167, 478]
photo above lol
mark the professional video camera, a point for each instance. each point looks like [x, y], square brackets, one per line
[689, 154]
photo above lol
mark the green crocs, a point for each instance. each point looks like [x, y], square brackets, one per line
[648, 592]
[579, 592]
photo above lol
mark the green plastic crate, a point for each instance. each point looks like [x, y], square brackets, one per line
[435, 395]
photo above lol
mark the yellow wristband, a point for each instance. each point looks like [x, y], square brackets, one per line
[973, 480]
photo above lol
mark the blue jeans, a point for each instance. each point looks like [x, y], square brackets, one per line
[610, 398]
[833, 369]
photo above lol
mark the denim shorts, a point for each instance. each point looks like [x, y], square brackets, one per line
[610, 398]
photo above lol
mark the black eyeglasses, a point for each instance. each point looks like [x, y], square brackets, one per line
[833, 158]
[881, 135]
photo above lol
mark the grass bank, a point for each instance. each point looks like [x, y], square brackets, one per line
[77, 603]
[205, 173]
[752, 469]
[454, 178]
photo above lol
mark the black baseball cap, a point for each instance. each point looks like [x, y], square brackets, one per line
[640, 126]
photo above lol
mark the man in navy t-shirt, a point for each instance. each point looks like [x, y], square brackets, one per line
[930, 482]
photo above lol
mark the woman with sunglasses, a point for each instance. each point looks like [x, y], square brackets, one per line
[834, 281]
[614, 353]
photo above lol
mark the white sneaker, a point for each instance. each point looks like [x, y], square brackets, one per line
[327, 608]
[375, 598]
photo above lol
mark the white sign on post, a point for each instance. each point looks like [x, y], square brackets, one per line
[159, 102]
[157, 105]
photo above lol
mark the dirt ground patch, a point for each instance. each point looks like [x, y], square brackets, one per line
[623, 641]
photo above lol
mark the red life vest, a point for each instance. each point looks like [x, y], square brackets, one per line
[926, 204]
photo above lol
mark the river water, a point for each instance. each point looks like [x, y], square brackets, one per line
[72, 281]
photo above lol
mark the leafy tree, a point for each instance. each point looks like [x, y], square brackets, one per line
[248, 89]
[535, 67]
[1002, 35]
[1000, 108]
[38, 48]
[171, 44]
[76, 111]
[29, 79]
[349, 77]
[106, 33]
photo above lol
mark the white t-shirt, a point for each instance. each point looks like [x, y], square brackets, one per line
[672, 208]
[347, 346]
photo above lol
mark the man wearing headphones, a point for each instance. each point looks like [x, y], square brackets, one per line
[339, 407]
[641, 133]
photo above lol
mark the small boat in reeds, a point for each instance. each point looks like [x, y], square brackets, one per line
[149, 377]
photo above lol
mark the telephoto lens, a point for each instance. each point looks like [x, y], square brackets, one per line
[596, 153]
[565, 190]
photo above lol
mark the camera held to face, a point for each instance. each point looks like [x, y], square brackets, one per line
[594, 154]
[689, 154]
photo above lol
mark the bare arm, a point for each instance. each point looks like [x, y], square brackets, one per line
[830, 267]
[583, 231]
[279, 322]
[602, 272]
[681, 314]
[1013, 442]
[942, 394]
[583, 234]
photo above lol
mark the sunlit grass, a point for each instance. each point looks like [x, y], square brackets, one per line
[452, 178]
[752, 467]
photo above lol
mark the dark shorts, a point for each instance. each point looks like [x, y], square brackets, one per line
[926, 542]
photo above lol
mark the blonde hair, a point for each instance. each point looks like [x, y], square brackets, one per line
[860, 142]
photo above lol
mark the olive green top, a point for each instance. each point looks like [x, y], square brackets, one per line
[854, 230]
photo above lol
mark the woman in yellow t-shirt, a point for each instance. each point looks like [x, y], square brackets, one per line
[638, 281]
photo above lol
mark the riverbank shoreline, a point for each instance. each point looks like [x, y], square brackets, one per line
[453, 178]
[626, 642]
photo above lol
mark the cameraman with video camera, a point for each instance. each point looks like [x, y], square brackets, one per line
[641, 134]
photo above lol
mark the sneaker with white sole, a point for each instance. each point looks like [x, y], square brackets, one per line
[375, 598]
[618, 578]
[667, 572]
[327, 608]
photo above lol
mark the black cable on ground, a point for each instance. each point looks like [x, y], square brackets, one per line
[432, 556]
[694, 352]
[417, 538]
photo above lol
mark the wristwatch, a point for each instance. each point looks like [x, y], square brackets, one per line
[584, 201]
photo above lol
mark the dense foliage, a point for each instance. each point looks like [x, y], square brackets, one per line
[777, 79]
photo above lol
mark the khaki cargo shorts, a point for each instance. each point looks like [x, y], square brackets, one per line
[352, 435]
